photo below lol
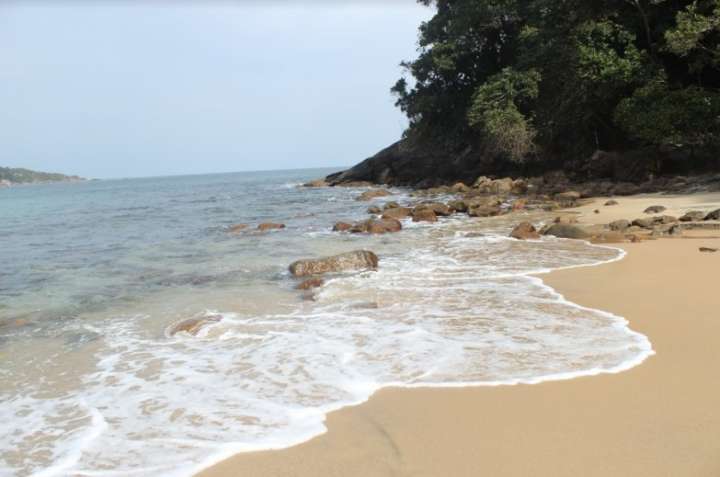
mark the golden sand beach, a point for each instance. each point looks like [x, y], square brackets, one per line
[661, 418]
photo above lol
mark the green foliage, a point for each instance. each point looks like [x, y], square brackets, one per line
[657, 114]
[536, 78]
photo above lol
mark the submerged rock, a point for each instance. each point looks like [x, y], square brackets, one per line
[193, 326]
[374, 210]
[525, 231]
[342, 227]
[270, 226]
[357, 260]
[310, 283]
[233, 229]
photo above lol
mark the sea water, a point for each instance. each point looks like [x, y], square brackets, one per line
[94, 275]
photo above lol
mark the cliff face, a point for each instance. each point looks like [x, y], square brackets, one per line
[10, 176]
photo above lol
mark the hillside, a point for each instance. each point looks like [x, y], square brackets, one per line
[509, 87]
[12, 176]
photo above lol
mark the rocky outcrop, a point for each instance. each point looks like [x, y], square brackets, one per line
[351, 261]
[525, 231]
[655, 209]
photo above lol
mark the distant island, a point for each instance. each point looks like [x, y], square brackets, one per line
[10, 176]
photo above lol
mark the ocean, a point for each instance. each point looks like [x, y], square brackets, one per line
[95, 274]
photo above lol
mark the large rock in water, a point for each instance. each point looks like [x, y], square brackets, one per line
[397, 213]
[566, 231]
[357, 260]
[372, 226]
[525, 231]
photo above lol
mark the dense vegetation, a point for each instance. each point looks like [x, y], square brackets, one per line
[26, 176]
[555, 80]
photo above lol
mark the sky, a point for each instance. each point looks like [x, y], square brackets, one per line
[146, 88]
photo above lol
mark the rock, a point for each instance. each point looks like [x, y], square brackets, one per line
[655, 209]
[270, 226]
[460, 188]
[566, 231]
[644, 223]
[609, 237]
[708, 250]
[596, 211]
[382, 226]
[310, 283]
[665, 219]
[373, 194]
[342, 227]
[485, 185]
[634, 238]
[391, 205]
[424, 215]
[374, 210]
[611, 202]
[693, 216]
[233, 229]
[519, 187]
[351, 261]
[485, 211]
[619, 225]
[525, 231]
[317, 183]
[397, 213]
[193, 326]
[458, 205]
[441, 210]
[714, 215]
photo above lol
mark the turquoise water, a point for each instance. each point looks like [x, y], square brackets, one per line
[95, 275]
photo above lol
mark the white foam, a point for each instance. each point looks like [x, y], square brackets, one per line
[444, 310]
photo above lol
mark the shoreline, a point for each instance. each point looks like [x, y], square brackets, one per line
[272, 462]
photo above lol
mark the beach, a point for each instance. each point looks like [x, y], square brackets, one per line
[657, 419]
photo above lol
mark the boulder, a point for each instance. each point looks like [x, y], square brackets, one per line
[611, 202]
[270, 226]
[375, 227]
[397, 213]
[693, 216]
[655, 209]
[233, 229]
[460, 188]
[714, 215]
[424, 215]
[310, 283]
[619, 225]
[525, 231]
[566, 231]
[374, 210]
[342, 227]
[644, 223]
[440, 209]
[458, 205]
[351, 261]
[373, 194]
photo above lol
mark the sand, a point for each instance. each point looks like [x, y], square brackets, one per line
[661, 418]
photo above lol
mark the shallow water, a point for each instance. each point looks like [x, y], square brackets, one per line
[95, 273]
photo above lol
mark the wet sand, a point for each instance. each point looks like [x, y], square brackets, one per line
[661, 418]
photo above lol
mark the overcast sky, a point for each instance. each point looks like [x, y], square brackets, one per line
[137, 88]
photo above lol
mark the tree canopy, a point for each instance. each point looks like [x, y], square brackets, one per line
[560, 78]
